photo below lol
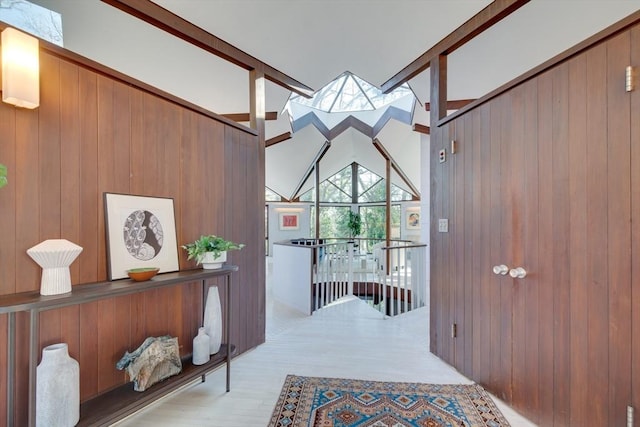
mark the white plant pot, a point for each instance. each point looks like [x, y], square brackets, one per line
[209, 262]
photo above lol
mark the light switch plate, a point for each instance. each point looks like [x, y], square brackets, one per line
[442, 155]
[443, 225]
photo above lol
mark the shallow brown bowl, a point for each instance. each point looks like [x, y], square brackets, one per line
[142, 274]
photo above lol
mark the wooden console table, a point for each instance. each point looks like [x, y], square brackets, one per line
[116, 404]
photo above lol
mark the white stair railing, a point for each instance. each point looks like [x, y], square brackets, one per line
[391, 279]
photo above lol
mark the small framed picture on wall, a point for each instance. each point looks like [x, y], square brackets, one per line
[289, 221]
[413, 220]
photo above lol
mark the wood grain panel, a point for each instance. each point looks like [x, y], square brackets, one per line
[49, 149]
[635, 225]
[88, 359]
[27, 181]
[597, 239]
[545, 243]
[483, 260]
[90, 198]
[529, 394]
[495, 180]
[471, 281]
[507, 235]
[456, 165]
[578, 267]
[560, 247]
[8, 209]
[71, 159]
[448, 247]
[619, 228]
[518, 196]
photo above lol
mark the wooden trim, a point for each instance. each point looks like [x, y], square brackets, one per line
[185, 30]
[493, 13]
[417, 127]
[244, 117]
[277, 139]
[455, 104]
[599, 37]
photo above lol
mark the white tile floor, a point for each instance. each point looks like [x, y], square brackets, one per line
[348, 339]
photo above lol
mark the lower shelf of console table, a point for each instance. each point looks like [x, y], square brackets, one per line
[123, 401]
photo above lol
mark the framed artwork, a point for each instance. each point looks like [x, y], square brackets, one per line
[413, 220]
[289, 221]
[141, 232]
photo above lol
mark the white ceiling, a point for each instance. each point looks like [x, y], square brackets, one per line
[313, 41]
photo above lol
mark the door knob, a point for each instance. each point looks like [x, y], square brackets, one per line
[500, 269]
[518, 273]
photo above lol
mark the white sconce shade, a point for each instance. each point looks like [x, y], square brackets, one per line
[20, 69]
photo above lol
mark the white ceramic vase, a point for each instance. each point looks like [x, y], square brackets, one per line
[209, 262]
[57, 388]
[201, 348]
[213, 319]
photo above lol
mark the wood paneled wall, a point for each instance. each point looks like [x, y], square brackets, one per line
[546, 177]
[94, 133]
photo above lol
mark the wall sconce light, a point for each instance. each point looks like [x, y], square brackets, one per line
[20, 69]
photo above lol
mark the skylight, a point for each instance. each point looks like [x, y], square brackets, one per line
[349, 93]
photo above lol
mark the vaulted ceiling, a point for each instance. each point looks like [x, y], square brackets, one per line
[314, 41]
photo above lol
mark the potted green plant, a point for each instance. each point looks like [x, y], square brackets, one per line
[3, 175]
[210, 250]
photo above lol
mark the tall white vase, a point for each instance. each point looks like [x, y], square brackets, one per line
[201, 348]
[213, 319]
[57, 388]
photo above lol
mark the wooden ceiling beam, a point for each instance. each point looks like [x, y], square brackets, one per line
[493, 13]
[167, 21]
[244, 117]
[276, 139]
[417, 127]
[452, 105]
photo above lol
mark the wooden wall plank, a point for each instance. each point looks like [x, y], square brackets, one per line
[545, 243]
[437, 254]
[483, 261]
[506, 233]
[88, 359]
[597, 328]
[495, 185]
[90, 198]
[531, 287]
[70, 161]
[577, 233]
[8, 208]
[470, 284]
[456, 165]
[49, 149]
[560, 248]
[27, 181]
[635, 224]
[619, 228]
[518, 197]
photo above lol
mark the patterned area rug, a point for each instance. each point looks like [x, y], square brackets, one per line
[335, 402]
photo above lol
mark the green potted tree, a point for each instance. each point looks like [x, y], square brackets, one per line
[210, 250]
[354, 224]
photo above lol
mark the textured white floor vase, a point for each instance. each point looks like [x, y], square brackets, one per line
[57, 388]
[55, 256]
